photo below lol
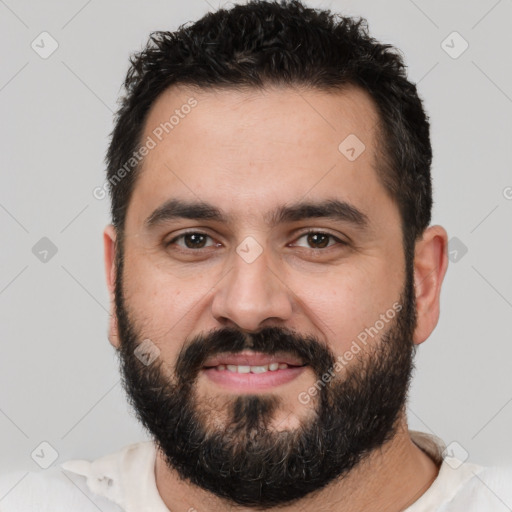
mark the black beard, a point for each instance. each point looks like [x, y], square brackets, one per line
[242, 460]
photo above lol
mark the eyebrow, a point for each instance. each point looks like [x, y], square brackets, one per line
[329, 209]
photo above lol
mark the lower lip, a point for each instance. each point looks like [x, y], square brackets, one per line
[252, 381]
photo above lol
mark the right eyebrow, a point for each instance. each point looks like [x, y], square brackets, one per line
[177, 208]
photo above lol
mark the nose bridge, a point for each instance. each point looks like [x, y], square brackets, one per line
[251, 291]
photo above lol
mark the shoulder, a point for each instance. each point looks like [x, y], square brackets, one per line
[77, 485]
[48, 491]
[489, 489]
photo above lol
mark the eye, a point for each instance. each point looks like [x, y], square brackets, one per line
[192, 240]
[196, 240]
[320, 239]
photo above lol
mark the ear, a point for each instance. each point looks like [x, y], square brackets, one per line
[109, 246]
[430, 264]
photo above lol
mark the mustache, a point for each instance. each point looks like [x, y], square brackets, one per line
[269, 340]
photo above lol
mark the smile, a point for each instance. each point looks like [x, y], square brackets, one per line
[272, 367]
[251, 371]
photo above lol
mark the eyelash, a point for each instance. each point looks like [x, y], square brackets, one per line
[306, 233]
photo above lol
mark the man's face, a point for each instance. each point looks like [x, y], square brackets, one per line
[310, 300]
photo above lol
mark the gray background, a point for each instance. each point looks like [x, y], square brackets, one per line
[59, 379]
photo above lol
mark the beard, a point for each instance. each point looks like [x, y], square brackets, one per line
[226, 445]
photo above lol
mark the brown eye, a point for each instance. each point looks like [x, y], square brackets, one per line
[320, 239]
[192, 240]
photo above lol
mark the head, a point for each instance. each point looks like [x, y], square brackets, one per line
[269, 172]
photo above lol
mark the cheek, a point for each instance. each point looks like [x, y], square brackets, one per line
[345, 303]
[161, 302]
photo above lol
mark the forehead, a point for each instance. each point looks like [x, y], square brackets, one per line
[250, 151]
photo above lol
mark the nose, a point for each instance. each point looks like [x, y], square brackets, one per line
[252, 296]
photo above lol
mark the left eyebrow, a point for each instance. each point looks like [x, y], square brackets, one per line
[330, 209]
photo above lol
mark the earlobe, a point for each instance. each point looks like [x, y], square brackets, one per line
[430, 265]
[109, 245]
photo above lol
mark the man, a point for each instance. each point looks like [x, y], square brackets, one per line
[272, 272]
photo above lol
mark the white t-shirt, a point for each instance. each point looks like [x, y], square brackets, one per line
[124, 481]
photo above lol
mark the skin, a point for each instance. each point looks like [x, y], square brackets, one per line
[248, 153]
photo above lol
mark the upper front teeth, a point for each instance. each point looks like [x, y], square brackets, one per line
[252, 369]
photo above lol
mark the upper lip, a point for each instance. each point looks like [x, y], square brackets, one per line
[248, 358]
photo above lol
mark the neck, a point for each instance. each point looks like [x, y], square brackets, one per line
[388, 480]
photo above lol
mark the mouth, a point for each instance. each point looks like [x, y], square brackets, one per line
[250, 371]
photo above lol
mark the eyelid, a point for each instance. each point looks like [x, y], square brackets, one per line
[190, 232]
[323, 232]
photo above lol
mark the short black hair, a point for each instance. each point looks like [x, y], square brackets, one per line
[263, 43]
